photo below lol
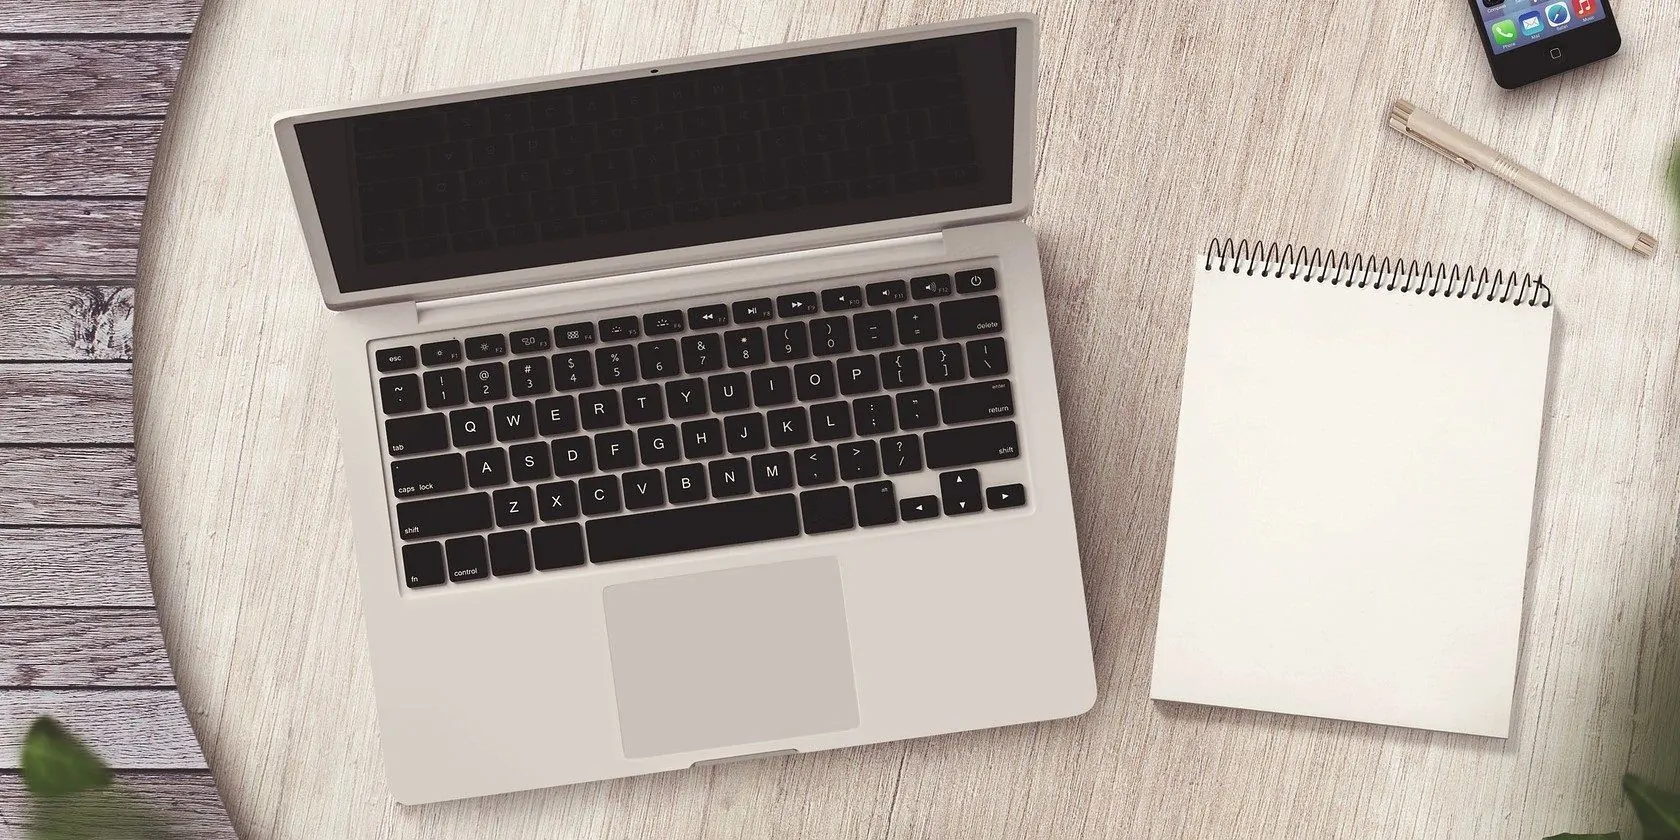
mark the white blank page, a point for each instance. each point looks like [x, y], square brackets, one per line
[1351, 503]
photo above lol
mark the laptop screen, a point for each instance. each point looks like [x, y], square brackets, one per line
[672, 160]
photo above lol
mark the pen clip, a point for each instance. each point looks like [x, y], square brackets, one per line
[1442, 150]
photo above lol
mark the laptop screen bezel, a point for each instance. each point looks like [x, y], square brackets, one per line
[1026, 70]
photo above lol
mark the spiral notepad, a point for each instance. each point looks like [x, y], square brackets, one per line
[1354, 488]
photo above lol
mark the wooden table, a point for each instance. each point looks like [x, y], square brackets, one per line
[1163, 126]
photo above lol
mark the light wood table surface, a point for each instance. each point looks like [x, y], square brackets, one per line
[1162, 126]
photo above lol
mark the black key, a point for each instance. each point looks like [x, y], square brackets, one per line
[557, 415]
[425, 476]
[574, 370]
[515, 421]
[876, 503]
[874, 329]
[814, 380]
[702, 353]
[824, 511]
[573, 456]
[702, 439]
[510, 553]
[445, 388]
[615, 365]
[744, 347]
[815, 466]
[845, 297]
[470, 427]
[514, 507]
[789, 427]
[441, 352]
[574, 335]
[427, 518]
[487, 467]
[772, 471]
[745, 433]
[659, 444]
[873, 415]
[599, 409]
[685, 398]
[857, 375]
[901, 454]
[920, 507]
[529, 462]
[486, 346]
[987, 357]
[620, 329]
[487, 383]
[859, 459]
[468, 559]
[658, 358]
[943, 363]
[916, 410]
[644, 404]
[423, 564]
[1006, 496]
[643, 489]
[708, 317]
[971, 445]
[415, 435]
[915, 324]
[528, 377]
[399, 394]
[557, 500]
[615, 450]
[796, 305]
[693, 528]
[831, 421]
[930, 286]
[772, 386]
[599, 495]
[662, 323]
[728, 392]
[887, 292]
[557, 546]
[749, 311]
[974, 280]
[901, 369]
[730, 477]
[831, 336]
[396, 358]
[685, 484]
[976, 401]
[789, 341]
[959, 491]
[970, 317]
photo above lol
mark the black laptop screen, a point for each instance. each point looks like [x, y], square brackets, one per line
[668, 161]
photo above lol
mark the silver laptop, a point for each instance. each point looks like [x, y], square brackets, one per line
[698, 410]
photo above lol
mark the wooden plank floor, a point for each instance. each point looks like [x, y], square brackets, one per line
[84, 86]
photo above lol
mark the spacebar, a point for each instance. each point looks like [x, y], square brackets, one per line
[693, 528]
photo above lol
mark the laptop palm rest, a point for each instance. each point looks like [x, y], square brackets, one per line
[738, 656]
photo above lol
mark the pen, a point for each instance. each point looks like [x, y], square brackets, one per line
[1470, 153]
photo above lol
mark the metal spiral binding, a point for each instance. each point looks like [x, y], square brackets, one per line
[1388, 274]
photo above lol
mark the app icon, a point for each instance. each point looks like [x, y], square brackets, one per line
[1531, 25]
[1585, 8]
[1557, 14]
[1504, 33]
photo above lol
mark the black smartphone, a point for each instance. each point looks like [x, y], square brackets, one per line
[1528, 40]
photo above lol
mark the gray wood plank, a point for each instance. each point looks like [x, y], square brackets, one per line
[90, 17]
[105, 648]
[63, 485]
[73, 567]
[66, 403]
[114, 78]
[76, 157]
[186, 799]
[66, 322]
[69, 236]
[128, 728]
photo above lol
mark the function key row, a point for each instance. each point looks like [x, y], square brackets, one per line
[797, 305]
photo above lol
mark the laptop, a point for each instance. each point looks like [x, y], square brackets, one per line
[698, 410]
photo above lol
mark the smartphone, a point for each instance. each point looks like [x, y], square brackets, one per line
[1529, 40]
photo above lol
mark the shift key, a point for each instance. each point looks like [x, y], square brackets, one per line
[428, 518]
[966, 445]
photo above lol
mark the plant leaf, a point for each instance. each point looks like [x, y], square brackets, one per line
[1674, 176]
[1658, 809]
[54, 763]
[1614, 835]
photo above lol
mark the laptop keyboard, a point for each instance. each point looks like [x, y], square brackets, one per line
[737, 422]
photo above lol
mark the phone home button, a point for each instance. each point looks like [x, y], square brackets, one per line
[1557, 53]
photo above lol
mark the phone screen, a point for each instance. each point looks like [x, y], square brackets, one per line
[1515, 23]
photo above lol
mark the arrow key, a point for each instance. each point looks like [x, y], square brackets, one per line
[960, 491]
[920, 507]
[1005, 496]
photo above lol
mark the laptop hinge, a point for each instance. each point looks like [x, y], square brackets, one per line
[831, 260]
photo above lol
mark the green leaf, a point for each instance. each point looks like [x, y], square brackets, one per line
[1614, 835]
[1658, 809]
[1674, 176]
[54, 763]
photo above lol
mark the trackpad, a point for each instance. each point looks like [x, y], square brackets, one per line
[738, 656]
